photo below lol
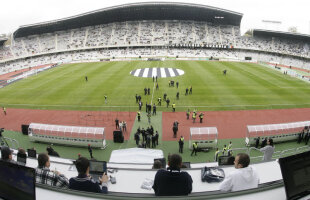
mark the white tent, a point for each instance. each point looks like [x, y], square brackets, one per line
[278, 132]
[68, 135]
[135, 156]
[204, 136]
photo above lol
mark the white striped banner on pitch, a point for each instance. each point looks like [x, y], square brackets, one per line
[159, 72]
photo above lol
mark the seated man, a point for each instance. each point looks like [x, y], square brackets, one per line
[84, 181]
[45, 176]
[172, 182]
[6, 154]
[244, 177]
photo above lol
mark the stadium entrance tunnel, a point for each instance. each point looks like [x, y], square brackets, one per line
[159, 72]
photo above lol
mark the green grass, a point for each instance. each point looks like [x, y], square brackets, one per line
[246, 86]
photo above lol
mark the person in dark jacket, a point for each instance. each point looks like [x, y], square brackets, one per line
[84, 181]
[172, 182]
[52, 152]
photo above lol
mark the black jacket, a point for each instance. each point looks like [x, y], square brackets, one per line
[172, 183]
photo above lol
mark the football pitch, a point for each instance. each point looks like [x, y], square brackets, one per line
[246, 86]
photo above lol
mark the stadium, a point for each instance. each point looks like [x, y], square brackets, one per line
[69, 83]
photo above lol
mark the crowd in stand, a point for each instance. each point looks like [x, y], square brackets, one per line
[148, 33]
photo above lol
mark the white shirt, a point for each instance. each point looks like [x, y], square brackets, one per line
[268, 151]
[240, 179]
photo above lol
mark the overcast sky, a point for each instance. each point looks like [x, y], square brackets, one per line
[15, 13]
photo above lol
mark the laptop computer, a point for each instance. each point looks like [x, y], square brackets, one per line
[296, 175]
[97, 168]
[32, 153]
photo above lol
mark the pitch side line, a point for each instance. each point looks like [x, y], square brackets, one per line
[203, 106]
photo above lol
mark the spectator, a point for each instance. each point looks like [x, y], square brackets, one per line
[244, 177]
[6, 154]
[51, 151]
[268, 150]
[21, 156]
[157, 164]
[172, 182]
[84, 182]
[45, 176]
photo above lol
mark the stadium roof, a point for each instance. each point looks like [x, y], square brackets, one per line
[288, 35]
[134, 12]
[2, 41]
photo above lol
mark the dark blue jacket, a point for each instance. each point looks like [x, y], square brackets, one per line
[84, 183]
[172, 183]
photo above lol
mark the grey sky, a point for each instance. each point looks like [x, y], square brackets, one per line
[15, 13]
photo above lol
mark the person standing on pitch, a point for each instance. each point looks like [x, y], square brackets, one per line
[201, 117]
[139, 115]
[154, 109]
[116, 124]
[173, 107]
[194, 117]
[105, 99]
[90, 150]
[187, 114]
[181, 144]
[195, 148]
[86, 78]
[168, 101]
[4, 110]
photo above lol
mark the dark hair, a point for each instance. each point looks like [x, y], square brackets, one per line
[5, 152]
[42, 159]
[157, 164]
[21, 151]
[271, 142]
[244, 159]
[82, 164]
[175, 161]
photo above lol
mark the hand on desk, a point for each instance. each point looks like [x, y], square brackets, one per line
[104, 178]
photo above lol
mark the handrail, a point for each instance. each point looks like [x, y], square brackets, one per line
[196, 195]
[14, 143]
[276, 154]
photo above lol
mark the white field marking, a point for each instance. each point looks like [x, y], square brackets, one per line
[204, 106]
[181, 72]
[137, 72]
[154, 73]
[162, 72]
[146, 71]
[172, 74]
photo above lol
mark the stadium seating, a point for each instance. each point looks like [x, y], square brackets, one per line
[149, 33]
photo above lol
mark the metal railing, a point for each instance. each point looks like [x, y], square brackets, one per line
[276, 154]
[12, 143]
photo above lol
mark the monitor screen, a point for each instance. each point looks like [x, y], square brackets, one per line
[226, 160]
[32, 153]
[296, 175]
[186, 165]
[16, 182]
[97, 166]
